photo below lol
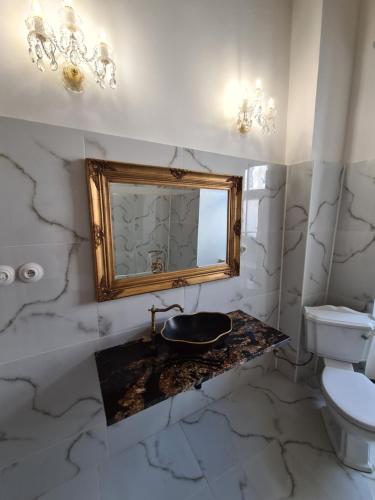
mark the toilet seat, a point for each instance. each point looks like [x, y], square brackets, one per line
[352, 395]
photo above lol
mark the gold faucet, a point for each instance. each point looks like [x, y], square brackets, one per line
[155, 310]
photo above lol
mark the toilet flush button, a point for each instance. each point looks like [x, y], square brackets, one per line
[7, 275]
[30, 272]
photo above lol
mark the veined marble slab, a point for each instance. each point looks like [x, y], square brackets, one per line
[142, 373]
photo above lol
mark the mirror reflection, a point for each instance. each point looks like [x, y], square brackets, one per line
[158, 229]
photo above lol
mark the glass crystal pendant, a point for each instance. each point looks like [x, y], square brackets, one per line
[46, 47]
[254, 112]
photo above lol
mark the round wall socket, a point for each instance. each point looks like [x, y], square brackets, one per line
[7, 275]
[30, 272]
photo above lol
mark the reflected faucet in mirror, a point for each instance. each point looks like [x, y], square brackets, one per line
[155, 310]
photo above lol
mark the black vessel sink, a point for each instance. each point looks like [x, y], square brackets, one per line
[196, 332]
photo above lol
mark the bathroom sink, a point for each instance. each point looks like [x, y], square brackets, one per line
[197, 332]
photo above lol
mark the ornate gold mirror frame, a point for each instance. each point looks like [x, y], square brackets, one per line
[101, 173]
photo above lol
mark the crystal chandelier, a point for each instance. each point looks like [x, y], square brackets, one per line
[68, 44]
[255, 111]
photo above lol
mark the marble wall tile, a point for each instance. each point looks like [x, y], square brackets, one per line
[357, 211]
[222, 296]
[204, 161]
[39, 474]
[42, 403]
[336, 299]
[352, 281]
[43, 185]
[325, 195]
[294, 262]
[264, 307]
[290, 314]
[55, 312]
[299, 180]
[298, 190]
[318, 261]
[118, 316]
[122, 149]
[261, 262]
[353, 273]
[42, 190]
[263, 198]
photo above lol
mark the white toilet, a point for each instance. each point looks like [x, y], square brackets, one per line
[342, 337]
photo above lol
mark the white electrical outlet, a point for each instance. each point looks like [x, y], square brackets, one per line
[30, 272]
[7, 275]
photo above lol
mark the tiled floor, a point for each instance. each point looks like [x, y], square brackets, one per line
[265, 441]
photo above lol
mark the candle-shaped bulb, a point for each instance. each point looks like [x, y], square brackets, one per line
[103, 47]
[271, 103]
[103, 37]
[258, 84]
[70, 19]
[36, 9]
[35, 21]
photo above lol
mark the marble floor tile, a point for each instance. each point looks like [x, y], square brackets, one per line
[42, 472]
[83, 487]
[253, 479]
[230, 430]
[263, 441]
[204, 493]
[162, 467]
[131, 430]
[335, 481]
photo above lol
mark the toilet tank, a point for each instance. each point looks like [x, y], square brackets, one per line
[338, 333]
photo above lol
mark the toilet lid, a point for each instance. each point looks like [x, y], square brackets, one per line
[352, 394]
[340, 316]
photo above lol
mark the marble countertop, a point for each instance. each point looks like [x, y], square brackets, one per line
[141, 373]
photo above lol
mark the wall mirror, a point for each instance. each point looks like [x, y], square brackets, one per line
[157, 228]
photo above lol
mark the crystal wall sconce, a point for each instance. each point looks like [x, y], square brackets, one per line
[254, 111]
[68, 44]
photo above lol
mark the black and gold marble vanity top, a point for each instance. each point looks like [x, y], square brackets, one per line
[141, 373]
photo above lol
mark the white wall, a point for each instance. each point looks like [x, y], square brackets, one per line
[179, 64]
[337, 50]
[304, 64]
[360, 141]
